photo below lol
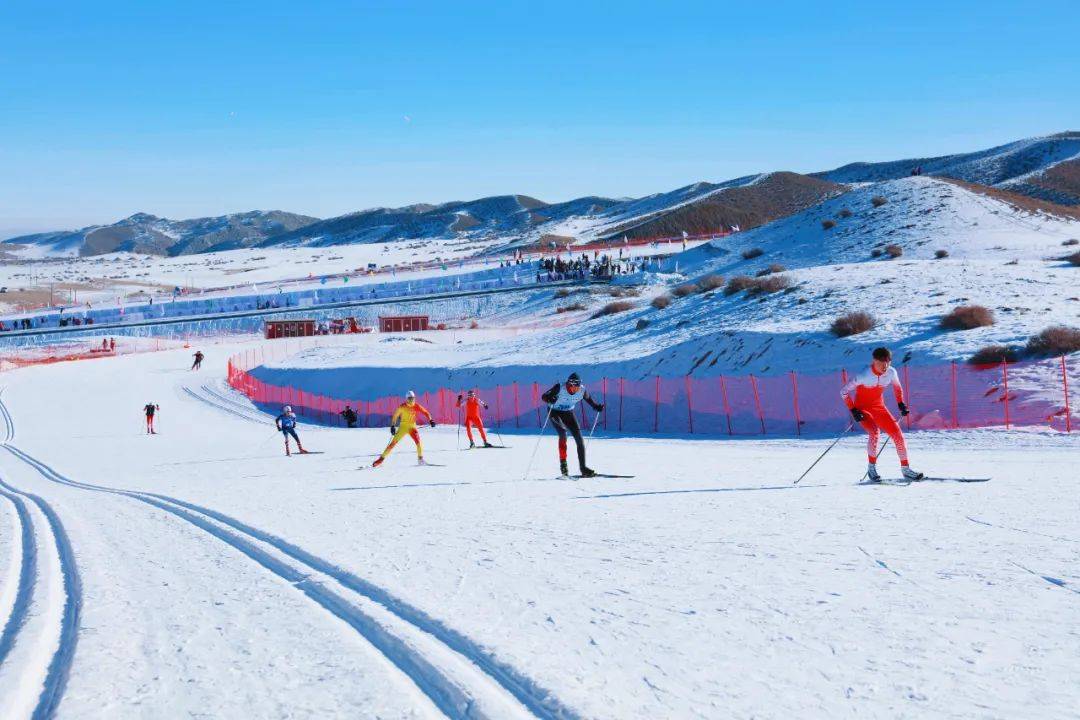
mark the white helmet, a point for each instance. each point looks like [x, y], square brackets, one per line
[410, 394]
[287, 409]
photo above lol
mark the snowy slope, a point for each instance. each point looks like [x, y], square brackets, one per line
[1018, 166]
[999, 256]
[148, 234]
[706, 586]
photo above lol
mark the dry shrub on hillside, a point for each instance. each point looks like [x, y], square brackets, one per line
[844, 213]
[570, 308]
[661, 301]
[613, 307]
[641, 324]
[769, 284]
[894, 251]
[684, 290]
[711, 282]
[738, 283]
[994, 354]
[876, 252]
[752, 253]
[878, 201]
[967, 317]
[474, 325]
[1071, 241]
[1074, 259]
[1055, 340]
[939, 254]
[562, 292]
[774, 268]
[828, 224]
[852, 324]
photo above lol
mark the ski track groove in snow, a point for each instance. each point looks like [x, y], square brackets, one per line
[1056, 582]
[59, 666]
[447, 695]
[219, 406]
[19, 603]
[1020, 530]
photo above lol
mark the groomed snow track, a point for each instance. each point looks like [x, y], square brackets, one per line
[461, 679]
[42, 634]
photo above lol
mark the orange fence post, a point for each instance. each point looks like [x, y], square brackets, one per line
[795, 399]
[1065, 385]
[757, 402]
[620, 402]
[727, 408]
[907, 389]
[517, 407]
[689, 404]
[955, 415]
[656, 407]
[1005, 380]
[603, 389]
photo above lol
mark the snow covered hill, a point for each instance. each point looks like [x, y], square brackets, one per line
[147, 234]
[1047, 168]
[1043, 167]
[998, 255]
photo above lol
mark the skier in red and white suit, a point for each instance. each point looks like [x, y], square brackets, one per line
[864, 396]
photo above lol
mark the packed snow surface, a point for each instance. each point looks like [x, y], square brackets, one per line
[232, 581]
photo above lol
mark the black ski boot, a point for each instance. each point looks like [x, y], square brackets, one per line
[587, 472]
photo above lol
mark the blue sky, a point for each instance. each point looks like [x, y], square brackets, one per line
[201, 108]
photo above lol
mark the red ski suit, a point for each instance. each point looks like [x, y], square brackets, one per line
[866, 391]
[472, 417]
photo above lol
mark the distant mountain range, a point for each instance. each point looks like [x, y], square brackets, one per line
[1044, 168]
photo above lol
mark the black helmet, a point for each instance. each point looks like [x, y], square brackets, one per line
[573, 379]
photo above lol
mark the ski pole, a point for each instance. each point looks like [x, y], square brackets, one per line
[838, 439]
[459, 427]
[536, 447]
[880, 450]
[593, 430]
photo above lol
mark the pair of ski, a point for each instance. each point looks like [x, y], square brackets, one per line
[594, 475]
[904, 482]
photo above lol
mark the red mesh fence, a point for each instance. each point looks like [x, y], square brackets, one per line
[956, 395]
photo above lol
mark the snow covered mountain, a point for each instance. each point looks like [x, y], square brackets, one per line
[152, 235]
[1043, 167]
[492, 216]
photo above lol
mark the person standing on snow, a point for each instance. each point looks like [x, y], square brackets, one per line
[864, 396]
[198, 360]
[472, 417]
[350, 416]
[286, 425]
[562, 400]
[404, 422]
[150, 409]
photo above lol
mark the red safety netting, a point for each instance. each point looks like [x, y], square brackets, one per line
[954, 395]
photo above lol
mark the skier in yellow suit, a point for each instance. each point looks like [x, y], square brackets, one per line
[404, 423]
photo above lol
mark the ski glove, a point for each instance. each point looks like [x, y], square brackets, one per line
[459, 399]
[599, 407]
[393, 430]
[432, 423]
[903, 409]
[858, 414]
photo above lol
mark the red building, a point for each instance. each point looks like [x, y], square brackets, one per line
[289, 328]
[403, 323]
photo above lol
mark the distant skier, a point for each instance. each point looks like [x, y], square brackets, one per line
[563, 399]
[150, 409]
[197, 365]
[350, 416]
[286, 425]
[404, 422]
[864, 397]
[472, 417]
